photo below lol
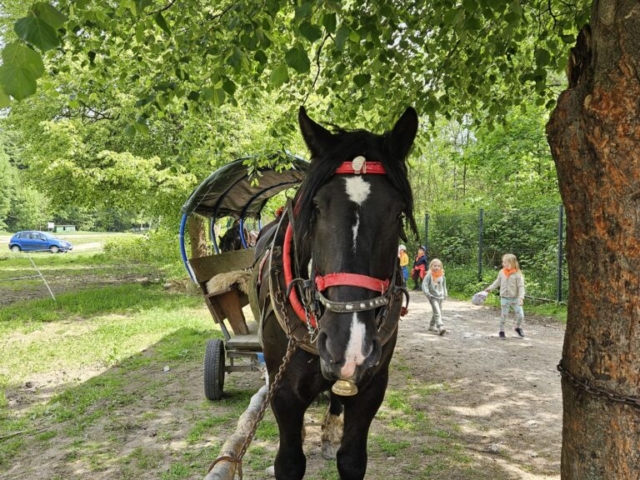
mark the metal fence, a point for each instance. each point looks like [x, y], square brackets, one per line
[471, 248]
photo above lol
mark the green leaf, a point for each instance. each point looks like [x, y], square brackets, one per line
[516, 8]
[279, 75]
[329, 22]
[207, 94]
[130, 131]
[310, 32]
[17, 82]
[496, 5]
[218, 97]
[362, 79]
[260, 57]
[49, 14]
[470, 5]
[141, 5]
[5, 101]
[451, 16]
[543, 57]
[229, 86]
[22, 56]
[341, 36]
[297, 59]
[303, 11]
[140, 32]
[37, 32]
[473, 24]
[162, 23]
[238, 60]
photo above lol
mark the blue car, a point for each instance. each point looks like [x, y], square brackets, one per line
[34, 241]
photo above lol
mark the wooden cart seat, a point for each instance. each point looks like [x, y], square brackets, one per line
[225, 304]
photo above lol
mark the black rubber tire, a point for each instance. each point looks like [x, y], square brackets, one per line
[54, 249]
[16, 248]
[214, 369]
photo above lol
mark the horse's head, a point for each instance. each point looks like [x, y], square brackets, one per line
[349, 218]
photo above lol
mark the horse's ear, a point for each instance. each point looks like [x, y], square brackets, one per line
[317, 138]
[403, 133]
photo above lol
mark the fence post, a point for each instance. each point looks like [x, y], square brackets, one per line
[560, 255]
[480, 230]
[426, 233]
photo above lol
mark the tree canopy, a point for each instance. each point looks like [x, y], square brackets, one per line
[453, 58]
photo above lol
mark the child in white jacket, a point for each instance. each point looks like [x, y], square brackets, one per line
[434, 286]
[511, 283]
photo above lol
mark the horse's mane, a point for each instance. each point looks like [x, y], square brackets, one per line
[349, 144]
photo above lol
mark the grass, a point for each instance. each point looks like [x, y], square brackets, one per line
[112, 409]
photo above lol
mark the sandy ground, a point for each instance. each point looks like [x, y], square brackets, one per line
[500, 400]
[505, 393]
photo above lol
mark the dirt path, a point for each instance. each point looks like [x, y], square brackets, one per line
[475, 408]
[504, 393]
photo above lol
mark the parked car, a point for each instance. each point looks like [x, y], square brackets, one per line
[34, 241]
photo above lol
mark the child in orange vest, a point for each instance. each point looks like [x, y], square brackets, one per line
[511, 283]
[434, 286]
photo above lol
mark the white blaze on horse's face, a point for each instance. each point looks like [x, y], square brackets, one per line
[353, 355]
[358, 191]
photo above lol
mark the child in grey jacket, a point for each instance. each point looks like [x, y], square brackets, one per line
[434, 286]
[511, 283]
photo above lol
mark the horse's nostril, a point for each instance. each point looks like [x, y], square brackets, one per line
[376, 350]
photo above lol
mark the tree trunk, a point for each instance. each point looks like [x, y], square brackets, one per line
[594, 134]
[198, 239]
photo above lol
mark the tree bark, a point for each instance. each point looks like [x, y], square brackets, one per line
[198, 239]
[594, 134]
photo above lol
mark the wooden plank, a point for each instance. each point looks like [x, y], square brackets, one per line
[206, 268]
[225, 470]
[244, 342]
[231, 309]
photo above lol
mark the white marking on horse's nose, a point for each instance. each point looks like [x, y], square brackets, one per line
[353, 355]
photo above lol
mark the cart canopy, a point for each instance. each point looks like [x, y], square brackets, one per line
[228, 192]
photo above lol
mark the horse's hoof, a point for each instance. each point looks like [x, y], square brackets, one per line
[329, 451]
[271, 471]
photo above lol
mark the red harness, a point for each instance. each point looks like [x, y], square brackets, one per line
[358, 166]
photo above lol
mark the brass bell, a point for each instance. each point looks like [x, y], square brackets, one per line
[344, 388]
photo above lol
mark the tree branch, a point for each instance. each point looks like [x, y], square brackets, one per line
[163, 9]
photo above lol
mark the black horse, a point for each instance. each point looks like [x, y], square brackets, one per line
[330, 288]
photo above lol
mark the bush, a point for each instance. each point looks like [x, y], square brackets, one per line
[156, 247]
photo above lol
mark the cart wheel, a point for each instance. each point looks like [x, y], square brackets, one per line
[214, 369]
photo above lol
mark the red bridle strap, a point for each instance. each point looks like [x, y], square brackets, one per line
[357, 166]
[288, 277]
[352, 167]
[352, 280]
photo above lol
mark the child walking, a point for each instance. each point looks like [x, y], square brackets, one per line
[419, 267]
[404, 262]
[511, 283]
[434, 286]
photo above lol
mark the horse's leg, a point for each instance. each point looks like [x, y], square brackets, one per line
[359, 411]
[332, 428]
[290, 463]
[300, 383]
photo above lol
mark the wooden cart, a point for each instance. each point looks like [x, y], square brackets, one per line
[230, 191]
[225, 305]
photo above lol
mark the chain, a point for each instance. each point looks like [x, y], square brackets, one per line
[291, 347]
[614, 397]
